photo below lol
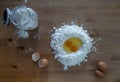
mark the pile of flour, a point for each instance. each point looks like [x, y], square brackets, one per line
[61, 35]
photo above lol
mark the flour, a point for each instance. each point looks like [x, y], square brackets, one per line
[24, 18]
[23, 34]
[61, 35]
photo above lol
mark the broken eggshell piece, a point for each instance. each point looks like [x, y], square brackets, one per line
[43, 62]
[35, 56]
[22, 17]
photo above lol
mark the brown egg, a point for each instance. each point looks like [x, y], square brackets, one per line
[102, 66]
[43, 62]
[35, 56]
[99, 74]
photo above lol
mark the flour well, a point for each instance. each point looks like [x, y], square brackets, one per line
[59, 37]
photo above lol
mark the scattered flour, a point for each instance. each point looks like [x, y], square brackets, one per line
[29, 50]
[23, 34]
[61, 35]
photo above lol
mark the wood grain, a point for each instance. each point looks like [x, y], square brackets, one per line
[100, 17]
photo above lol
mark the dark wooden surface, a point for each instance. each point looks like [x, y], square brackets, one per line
[100, 17]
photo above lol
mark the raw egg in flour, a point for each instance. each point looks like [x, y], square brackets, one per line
[72, 44]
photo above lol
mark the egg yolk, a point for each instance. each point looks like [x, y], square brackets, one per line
[72, 44]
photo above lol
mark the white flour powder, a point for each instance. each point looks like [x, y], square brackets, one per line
[61, 35]
[23, 34]
[24, 18]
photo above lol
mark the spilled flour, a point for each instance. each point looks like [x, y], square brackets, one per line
[73, 54]
[22, 34]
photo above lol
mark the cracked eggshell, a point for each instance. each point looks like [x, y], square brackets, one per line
[43, 62]
[35, 56]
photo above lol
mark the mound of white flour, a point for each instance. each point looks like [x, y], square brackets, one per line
[61, 35]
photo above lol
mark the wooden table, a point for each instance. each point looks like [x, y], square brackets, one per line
[100, 17]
